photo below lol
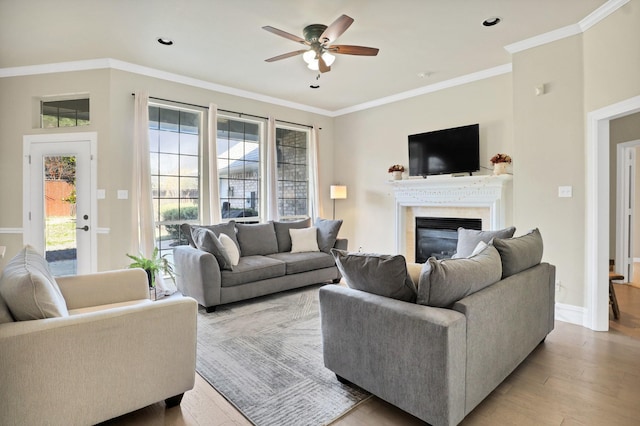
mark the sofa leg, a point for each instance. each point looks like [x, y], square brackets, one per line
[173, 401]
[335, 280]
[343, 380]
[210, 309]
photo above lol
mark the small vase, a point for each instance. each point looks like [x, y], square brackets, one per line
[397, 175]
[500, 168]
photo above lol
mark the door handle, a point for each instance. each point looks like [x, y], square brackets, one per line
[84, 228]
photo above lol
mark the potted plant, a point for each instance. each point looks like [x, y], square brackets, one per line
[500, 162]
[152, 266]
[397, 170]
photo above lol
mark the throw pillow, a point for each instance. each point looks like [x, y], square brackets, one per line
[231, 248]
[29, 289]
[257, 239]
[519, 253]
[327, 233]
[468, 239]
[384, 275]
[305, 239]
[206, 240]
[282, 232]
[228, 228]
[444, 282]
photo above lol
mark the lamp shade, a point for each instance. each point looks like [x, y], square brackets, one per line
[338, 192]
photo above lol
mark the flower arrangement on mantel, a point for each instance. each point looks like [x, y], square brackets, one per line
[396, 168]
[500, 158]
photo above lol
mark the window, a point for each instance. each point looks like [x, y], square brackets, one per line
[293, 178]
[239, 171]
[64, 113]
[174, 145]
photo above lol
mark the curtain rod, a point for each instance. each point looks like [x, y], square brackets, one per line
[226, 110]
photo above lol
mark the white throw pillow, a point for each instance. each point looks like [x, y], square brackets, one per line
[479, 248]
[231, 248]
[304, 239]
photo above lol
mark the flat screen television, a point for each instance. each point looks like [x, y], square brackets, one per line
[455, 150]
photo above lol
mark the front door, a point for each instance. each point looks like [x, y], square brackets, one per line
[59, 212]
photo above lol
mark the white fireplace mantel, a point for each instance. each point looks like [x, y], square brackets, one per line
[483, 191]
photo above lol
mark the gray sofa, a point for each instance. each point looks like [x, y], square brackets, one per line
[439, 362]
[266, 263]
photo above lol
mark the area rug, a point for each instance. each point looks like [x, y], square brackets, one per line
[265, 357]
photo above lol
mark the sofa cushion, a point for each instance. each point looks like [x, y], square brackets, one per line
[381, 274]
[29, 289]
[327, 233]
[257, 239]
[5, 314]
[468, 239]
[228, 228]
[444, 282]
[231, 248]
[282, 232]
[520, 253]
[206, 240]
[304, 240]
[306, 261]
[253, 268]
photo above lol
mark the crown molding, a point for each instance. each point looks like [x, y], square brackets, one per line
[593, 18]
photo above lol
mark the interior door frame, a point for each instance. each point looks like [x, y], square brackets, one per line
[91, 138]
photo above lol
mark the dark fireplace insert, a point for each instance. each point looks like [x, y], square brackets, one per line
[438, 236]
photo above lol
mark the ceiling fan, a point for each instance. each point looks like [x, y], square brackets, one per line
[318, 37]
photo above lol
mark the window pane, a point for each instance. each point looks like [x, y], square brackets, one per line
[169, 164]
[189, 144]
[65, 113]
[169, 142]
[293, 198]
[189, 165]
[169, 119]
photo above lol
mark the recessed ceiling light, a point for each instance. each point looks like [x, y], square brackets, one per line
[490, 22]
[165, 41]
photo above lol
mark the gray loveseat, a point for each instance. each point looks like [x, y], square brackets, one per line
[439, 362]
[267, 260]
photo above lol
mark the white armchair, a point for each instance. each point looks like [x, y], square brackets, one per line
[116, 351]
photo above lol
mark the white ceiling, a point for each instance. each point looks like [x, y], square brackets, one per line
[222, 41]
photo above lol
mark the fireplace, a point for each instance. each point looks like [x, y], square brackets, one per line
[438, 236]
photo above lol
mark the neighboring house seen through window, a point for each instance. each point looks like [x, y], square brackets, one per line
[293, 176]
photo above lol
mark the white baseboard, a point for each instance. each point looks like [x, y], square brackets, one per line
[570, 313]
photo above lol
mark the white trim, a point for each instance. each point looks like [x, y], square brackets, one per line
[597, 210]
[458, 81]
[570, 313]
[11, 231]
[570, 30]
[636, 259]
[103, 230]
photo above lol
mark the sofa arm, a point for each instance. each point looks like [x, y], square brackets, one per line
[197, 275]
[341, 244]
[87, 368]
[102, 288]
[410, 355]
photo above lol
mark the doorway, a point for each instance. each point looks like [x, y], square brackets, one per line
[59, 202]
[625, 212]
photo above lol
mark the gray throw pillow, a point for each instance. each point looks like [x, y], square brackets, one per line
[29, 289]
[468, 239]
[384, 275]
[519, 253]
[282, 232]
[228, 228]
[444, 282]
[327, 233]
[257, 239]
[206, 240]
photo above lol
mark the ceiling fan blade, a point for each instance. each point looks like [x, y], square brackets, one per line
[345, 49]
[336, 29]
[285, 34]
[286, 55]
[322, 65]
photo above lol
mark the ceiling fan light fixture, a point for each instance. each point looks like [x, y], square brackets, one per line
[309, 56]
[313, 64]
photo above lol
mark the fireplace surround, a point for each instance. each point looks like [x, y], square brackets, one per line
[485, 197]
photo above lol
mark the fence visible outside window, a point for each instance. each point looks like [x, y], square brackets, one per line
[293, 176]
[174, 143]
[65, 113]
[239, 171]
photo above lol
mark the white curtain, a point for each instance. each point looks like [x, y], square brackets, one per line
[272, 172]
[214, 179]
[315, 208]
[143, 225]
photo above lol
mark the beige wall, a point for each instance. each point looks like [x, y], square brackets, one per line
[370, 141]
[112, 118]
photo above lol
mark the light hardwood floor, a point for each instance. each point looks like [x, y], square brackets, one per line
[577, 377]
